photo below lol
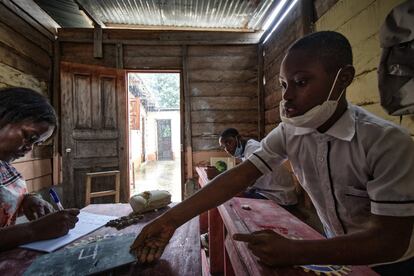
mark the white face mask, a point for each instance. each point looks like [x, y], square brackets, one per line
[238, 152]
[316, 116]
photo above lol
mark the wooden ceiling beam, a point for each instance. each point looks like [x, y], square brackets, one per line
[131, 37]
[29, 11]
[96, 21]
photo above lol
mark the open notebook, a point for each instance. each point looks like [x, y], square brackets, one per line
[87, 223]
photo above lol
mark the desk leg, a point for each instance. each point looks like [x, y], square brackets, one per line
[228, 267]
[203, 222]
[216, 243]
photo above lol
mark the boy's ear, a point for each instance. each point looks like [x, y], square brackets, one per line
[347, 75]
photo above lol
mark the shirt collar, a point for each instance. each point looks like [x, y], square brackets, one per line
[343, 129]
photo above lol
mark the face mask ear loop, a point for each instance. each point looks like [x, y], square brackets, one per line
[333, 85]
[343, 90]
[237, 143]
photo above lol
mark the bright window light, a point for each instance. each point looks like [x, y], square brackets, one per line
[280, 20]
[273, 15]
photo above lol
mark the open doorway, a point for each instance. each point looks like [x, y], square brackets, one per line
[155, 132]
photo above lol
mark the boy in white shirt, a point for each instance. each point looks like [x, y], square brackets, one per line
[357, 169]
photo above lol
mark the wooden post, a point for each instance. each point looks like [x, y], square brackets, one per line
[307, 14]
[187, 115]
[88, 190]
[56, 171]
[97, 42]
[117, 186]
[119, 56]
[260, 92]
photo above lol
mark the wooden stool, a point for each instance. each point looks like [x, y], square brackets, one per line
[115, 192]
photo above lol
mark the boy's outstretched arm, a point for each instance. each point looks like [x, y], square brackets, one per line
[384, 239]
[150, 243]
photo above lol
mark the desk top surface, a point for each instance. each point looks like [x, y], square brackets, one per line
[181, 256]
[243, 215]
[265, 214]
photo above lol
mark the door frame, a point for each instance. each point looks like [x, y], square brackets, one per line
[182, 113]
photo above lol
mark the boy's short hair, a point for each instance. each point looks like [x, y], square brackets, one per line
[331, 48]
[229, 132]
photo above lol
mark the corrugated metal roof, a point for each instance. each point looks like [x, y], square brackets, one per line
[65, 12]
[241, 15]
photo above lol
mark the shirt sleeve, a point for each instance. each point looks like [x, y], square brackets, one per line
[12, 191]
[391, 161]
[272, 151]
[250, 147]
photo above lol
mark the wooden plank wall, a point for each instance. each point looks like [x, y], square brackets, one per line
[293, 27]
[366, 16]
[221, 78]
[25, 61]
[273, 51]
[223, 85]
[322, 6]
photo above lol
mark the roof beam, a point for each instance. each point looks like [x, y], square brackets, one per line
[96, 21]
[28, 12]
[140, 37]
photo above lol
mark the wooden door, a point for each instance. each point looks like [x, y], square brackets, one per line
[164, 140]
[94, 129]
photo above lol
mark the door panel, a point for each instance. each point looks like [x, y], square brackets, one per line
[93, 128]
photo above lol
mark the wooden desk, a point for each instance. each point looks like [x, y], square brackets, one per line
[230, 257]
[181, 256]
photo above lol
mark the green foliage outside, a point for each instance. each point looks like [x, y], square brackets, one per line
[165, 87]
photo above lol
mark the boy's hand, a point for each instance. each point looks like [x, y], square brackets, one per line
[151, 242]
[54, 225]
[271, 248]
[34, 207]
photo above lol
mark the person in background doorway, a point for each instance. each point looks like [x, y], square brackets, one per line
[277, 186]
[26, 119]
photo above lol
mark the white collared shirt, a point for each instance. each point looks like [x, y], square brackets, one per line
[361, 165]
[278, 185]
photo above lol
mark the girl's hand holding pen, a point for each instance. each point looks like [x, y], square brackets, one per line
[54, 225]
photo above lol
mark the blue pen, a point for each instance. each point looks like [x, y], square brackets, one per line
[55, 197]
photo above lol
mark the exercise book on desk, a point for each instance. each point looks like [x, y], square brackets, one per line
[87, 223]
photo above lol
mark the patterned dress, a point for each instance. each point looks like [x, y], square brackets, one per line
[12, 191]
